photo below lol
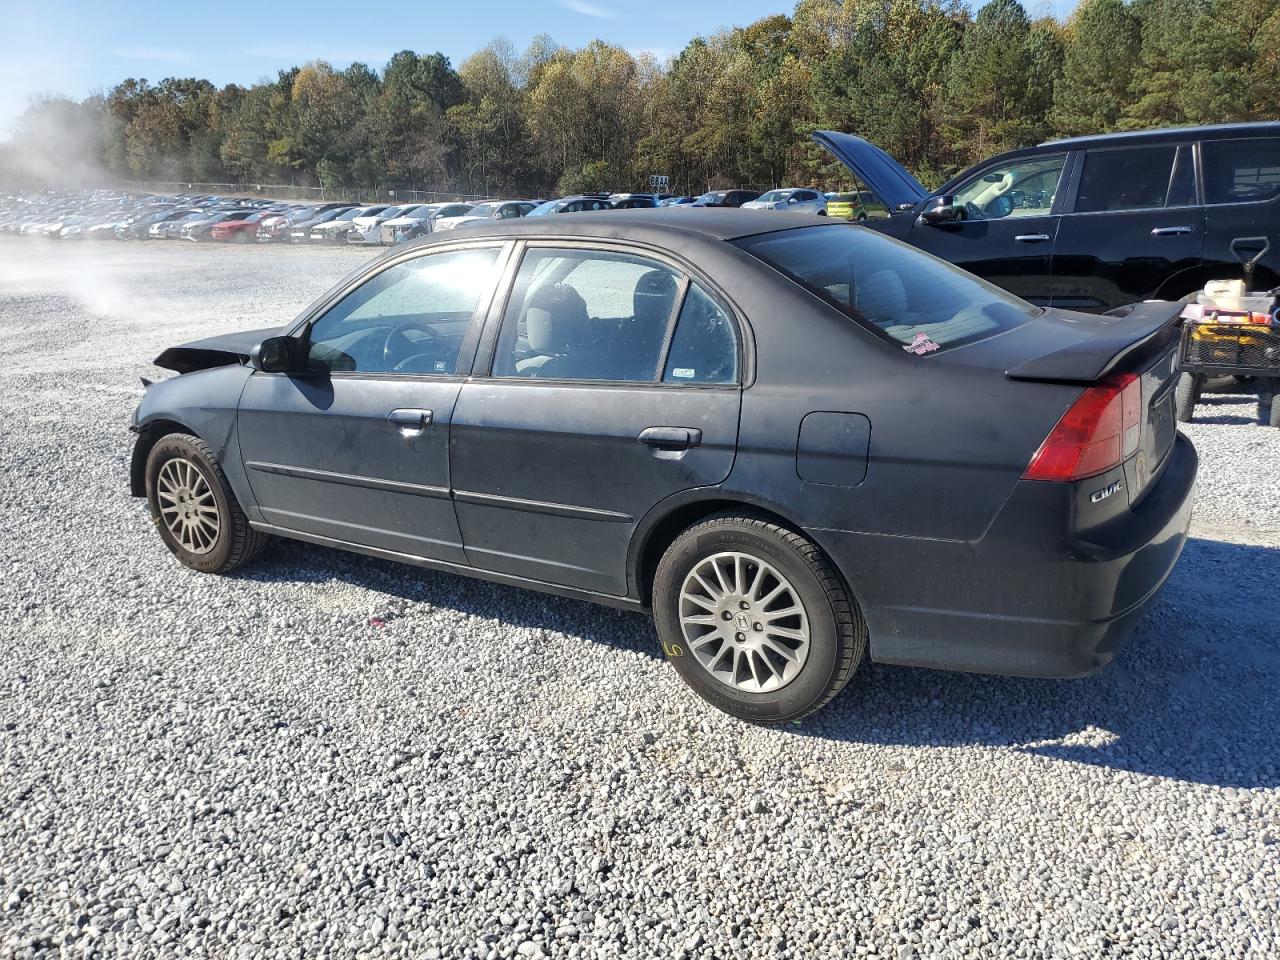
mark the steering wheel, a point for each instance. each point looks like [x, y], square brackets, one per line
[398, 348]
[972, 212]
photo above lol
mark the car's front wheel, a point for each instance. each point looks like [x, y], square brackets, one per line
[754, 618]
[194, 509]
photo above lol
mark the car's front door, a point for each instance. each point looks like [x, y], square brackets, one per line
[614, 384]
[357, 448]
[1010, 223]
[1136, 224]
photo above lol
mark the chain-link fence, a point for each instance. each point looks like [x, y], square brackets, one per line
[284, 191]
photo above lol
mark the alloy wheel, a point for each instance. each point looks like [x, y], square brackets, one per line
[744, 622]
[187, 505]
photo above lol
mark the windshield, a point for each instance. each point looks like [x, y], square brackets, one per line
[484, 210]
[711, 199]
[924, 303]
[775, 196]
[540, 209]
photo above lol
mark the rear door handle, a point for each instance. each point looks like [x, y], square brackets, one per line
[1032, 237]
[671, 438]
[410, 421]
[1171, 231]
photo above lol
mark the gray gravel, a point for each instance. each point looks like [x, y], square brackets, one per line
[248, 766]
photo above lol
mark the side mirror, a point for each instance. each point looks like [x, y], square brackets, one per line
[941, 210]
[278, 355]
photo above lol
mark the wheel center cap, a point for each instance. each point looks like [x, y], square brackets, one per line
[742, 621]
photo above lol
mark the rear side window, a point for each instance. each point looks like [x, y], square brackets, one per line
[924, 303]
[587, 315]
[1241, 171]
[704, 348]
[1135, 179]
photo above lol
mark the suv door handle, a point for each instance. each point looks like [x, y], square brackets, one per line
[410, 421]
[1171, 231]
[1032, 237]
[671, 438]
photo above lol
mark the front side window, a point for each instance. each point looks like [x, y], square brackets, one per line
[924, 303]
[1136, 179]
[410, 318]
[1018, 188]
[1241, 171]
[587, 315]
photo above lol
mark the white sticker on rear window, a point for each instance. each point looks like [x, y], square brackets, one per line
[684, 373]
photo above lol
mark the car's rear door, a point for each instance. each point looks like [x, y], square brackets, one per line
[613, 382]
[357, 449]
[1133, 225]
[1242, 197]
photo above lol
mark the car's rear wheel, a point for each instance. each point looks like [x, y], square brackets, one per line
[754, 618]
[242, 237]
[194, 509]
[1187, 396]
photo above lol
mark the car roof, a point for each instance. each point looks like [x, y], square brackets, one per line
[1215, 130]
[654, 225]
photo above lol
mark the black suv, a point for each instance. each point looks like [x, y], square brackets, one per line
[1091, 223]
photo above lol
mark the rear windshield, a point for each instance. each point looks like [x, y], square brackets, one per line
[923, 303]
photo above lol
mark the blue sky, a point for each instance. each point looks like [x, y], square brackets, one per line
[74, 47]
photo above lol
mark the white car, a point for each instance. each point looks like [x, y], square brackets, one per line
[335, 230]
[486, 211]
[798, 199]
[367, 228]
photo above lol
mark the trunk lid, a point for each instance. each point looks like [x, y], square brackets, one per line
[879, 171]
[1078, 348]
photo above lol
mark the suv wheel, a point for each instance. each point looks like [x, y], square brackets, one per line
[194, 509]
[755, 619]
[1187, 396]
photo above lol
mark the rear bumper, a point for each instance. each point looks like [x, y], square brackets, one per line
[1026, 599]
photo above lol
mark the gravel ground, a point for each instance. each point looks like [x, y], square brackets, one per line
[248, 766]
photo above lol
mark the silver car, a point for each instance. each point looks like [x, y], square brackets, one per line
[795, 199]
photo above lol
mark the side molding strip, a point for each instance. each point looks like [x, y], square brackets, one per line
[350, 479]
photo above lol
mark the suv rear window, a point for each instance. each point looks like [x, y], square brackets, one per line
[1241, 171]
[923, 303]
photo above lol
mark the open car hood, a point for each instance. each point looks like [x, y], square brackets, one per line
[884, 175]
[220, 351]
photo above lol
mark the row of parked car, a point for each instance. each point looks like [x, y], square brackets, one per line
[100, 215]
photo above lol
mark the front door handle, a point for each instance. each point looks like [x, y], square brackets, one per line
[410, 421]
[671, 438]
[1032, 237]
[1171, 231]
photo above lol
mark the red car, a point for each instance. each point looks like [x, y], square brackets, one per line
[242, 230]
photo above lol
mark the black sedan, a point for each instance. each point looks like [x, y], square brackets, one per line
[794, 442]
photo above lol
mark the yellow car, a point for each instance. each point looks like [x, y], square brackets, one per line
[846, 206]
[858, 204]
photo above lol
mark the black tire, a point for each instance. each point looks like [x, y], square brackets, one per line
[838, 633]
[1187, 396]
[1269, 404]
[243, 237]
[236, 543]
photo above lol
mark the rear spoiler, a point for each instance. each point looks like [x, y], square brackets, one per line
[1120, 339]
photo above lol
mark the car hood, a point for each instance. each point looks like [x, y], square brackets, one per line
[402, 221]
[879, 171]
[219, 351]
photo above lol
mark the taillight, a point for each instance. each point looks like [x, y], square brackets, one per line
[1101, 430]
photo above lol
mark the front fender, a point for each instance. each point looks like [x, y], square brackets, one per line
[203, 403]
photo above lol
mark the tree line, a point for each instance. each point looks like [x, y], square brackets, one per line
[935, 85]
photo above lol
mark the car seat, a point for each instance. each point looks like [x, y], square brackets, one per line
[556, 323]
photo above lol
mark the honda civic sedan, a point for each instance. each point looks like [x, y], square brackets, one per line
[797, 442]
